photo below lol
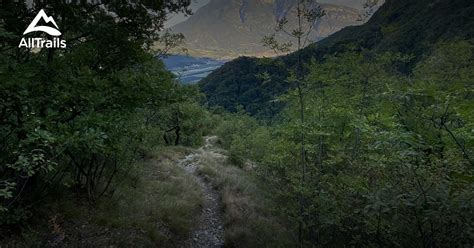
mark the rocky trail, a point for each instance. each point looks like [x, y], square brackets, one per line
[209, 230]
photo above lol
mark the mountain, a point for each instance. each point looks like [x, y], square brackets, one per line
[356, 4]
[229, 28]
[406, 26]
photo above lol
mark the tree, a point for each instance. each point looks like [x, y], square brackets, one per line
[68, 116]
[307, 14]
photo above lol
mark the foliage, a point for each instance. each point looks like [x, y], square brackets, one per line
[389, 155]
[235, 85]
[72, 119]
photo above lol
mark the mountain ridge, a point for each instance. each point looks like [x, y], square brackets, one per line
[409, 27]
[212, 30]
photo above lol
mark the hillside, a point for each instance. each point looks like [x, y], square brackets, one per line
[398, 26]
[232, 28]
[365, 139]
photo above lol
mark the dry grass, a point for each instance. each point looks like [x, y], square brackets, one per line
[248, 217]
[154, 206]
[163, 201]
[157, 204]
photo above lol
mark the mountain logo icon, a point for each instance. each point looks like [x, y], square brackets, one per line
[49, 30]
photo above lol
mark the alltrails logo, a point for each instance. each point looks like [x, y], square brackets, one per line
[41, 42]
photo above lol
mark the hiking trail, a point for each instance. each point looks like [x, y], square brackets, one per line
[209, 230]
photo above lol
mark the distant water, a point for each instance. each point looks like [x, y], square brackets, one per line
[190, 70]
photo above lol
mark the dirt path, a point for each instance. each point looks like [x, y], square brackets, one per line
[209, 231]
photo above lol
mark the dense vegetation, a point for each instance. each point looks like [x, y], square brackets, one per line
[389, 156]
[73, 119]
[373, 145]
[408, 27]
[365, 142]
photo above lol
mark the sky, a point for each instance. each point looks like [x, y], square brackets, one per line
[196, 4]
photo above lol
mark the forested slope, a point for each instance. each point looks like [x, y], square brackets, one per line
[372, 144]
[369, 157]
[93, 136]
[409, 27]
[74, 120]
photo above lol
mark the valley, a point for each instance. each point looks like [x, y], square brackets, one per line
[351, 124]
[190, 70]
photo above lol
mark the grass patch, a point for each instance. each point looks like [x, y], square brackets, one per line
[160, 199]
[155, 205]
[248, 214]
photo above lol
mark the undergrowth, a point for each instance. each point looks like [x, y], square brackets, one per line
[249, 217]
